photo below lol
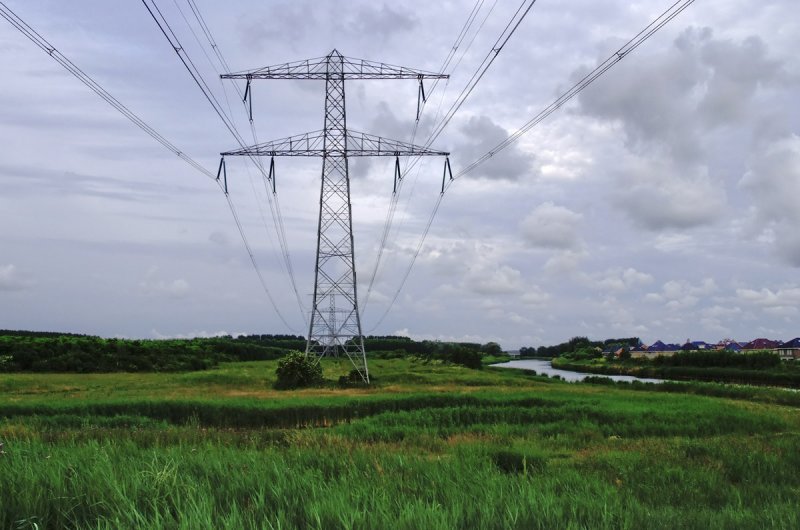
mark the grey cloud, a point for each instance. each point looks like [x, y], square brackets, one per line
[327, 22]
[261, 29]
[494, 281]
[12, 280]
[481, 136]
[773, 181]
[220, 239]
[551, 226]
[657, 195]
[35, 180]
[382, 20]
[737, 70]
[657, 101]
[386, 123]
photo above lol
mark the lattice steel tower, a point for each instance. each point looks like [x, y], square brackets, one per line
[335, 324]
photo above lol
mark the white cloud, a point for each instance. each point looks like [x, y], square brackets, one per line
[565, 262]
[784, 297]
[619, 279]
[502, 280]
[681, 294]
[151, 285]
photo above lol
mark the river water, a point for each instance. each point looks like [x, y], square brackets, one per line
[545, 367]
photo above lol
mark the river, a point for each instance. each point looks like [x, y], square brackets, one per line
[545, 367]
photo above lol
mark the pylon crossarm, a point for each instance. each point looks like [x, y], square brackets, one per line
[363, 144]
[306, 144]
[352, 68]
[357, 144]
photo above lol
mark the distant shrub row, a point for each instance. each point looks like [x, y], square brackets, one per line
[28, 351]
[83, 354]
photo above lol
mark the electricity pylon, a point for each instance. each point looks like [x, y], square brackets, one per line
[335, 324]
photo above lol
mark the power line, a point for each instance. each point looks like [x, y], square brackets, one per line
[497, 47]
[659, 22]
[463, 32]
[272, 198]
[501, 41]
[673, 11]
[84, 78]
[174, 41]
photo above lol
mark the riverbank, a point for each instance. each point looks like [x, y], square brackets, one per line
[544, 367]
[782, 376]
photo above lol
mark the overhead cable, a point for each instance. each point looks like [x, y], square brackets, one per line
[659, 22]
[673, 11]
[166, 29]
[68, 65]
[272, 196]
[399, 184]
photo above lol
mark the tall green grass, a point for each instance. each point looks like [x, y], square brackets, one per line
[451, 448]
[116, 484]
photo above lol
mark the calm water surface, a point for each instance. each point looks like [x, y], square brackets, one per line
[545, 367]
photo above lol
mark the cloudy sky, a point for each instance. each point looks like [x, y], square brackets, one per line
[663, 202]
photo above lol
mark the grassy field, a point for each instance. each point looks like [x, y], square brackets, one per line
[428, 446]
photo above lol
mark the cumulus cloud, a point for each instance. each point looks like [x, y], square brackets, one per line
[667, 108]
[656, 102]
[681, 294]
[773, 182]
[493, 281]
[565, 262]
[12, 280]
[785, 297]
[619, 279]
[551, 226]
[534, 295]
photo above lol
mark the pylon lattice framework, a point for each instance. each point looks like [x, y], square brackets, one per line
[335, 324]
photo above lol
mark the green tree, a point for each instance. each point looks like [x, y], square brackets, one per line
[297, 370]
[491, 348]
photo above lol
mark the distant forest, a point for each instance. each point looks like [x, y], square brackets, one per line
[36, 351]
[576, 344]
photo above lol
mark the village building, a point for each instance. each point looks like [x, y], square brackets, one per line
[789, 350]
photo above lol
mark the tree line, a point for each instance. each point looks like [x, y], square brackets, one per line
[578, 344]
[34, 351]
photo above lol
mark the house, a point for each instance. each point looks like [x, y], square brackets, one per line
[657, 346]
[789, 350]
[729, 345]
[656, 349]
[762, 344]
[514, 354]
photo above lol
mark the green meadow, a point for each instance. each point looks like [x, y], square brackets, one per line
[428, 445]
